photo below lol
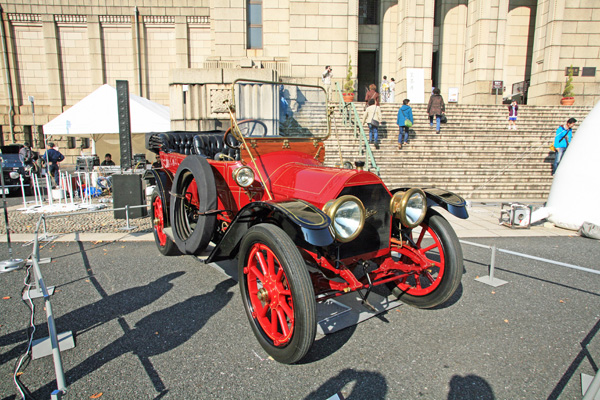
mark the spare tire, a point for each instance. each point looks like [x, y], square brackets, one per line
[193, 193]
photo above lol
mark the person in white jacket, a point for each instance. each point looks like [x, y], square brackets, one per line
[372, 117]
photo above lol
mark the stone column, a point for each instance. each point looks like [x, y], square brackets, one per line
[96, 59]
[55, 92]
[486, 33]
[181, 42]
[228, 29]
[566, 33]
[415, 41]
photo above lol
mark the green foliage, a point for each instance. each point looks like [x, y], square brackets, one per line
[568, 92]
[349, 83]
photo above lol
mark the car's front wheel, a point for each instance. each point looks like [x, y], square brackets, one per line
[433, 260]
[277, 293]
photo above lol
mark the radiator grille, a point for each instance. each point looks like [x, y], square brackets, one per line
[376, 233]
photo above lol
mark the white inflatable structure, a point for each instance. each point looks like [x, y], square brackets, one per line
[575, 193]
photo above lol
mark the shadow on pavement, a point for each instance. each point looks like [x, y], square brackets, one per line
[155, 334]
[470, 387]
[367, 385]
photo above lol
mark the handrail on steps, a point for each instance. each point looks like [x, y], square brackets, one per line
[351, 118]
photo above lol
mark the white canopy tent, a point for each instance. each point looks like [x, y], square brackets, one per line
[97, 115]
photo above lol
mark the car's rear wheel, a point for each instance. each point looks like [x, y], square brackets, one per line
[193, 194]
[165, 244]
[277, 293]
[434, 272]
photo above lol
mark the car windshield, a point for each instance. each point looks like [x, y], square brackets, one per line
[277, 109]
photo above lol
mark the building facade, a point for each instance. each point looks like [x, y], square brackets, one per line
[55, 52]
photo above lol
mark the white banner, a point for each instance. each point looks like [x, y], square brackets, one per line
[415, 85]
[453, 95]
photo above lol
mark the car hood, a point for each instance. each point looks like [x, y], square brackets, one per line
[305, 179]
[11, 161]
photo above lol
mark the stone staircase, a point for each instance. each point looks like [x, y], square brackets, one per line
[475, 155]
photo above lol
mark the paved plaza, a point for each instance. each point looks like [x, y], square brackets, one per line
[148, 326]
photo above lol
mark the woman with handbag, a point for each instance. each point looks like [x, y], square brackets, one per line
[404, 121]
[372, 117]
[436, 108]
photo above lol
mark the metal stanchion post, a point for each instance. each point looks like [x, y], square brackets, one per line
[127, 228]
[490, 280]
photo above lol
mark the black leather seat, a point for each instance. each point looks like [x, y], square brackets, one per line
[207, 144]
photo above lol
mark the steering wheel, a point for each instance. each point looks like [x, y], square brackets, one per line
[248, 128]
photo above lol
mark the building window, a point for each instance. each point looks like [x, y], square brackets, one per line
[71, 142]
[255, 26]
[368, 12]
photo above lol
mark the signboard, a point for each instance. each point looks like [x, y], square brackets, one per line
[575, 71]
[497, 84]
[415, 85]
[453, 95]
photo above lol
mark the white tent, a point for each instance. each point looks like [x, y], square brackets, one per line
[96, 115]
[575, 191]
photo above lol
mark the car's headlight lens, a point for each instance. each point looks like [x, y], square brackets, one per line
[244, 176]
[347, 215]
[409, 207]
[14, 175]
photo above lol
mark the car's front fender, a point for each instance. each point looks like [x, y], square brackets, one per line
[307, 226]
[451, 202]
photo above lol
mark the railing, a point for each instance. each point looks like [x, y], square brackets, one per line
[351, 118]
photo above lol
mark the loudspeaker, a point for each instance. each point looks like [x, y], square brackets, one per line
[124, 123]
[127, 190]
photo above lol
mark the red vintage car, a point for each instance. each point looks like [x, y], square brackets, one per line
[302, 232]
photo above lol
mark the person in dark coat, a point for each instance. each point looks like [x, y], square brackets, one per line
[53, 157]
[436, 108]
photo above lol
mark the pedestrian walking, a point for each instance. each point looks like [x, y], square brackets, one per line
[372, 117]
[512, 115]
[563, 137]
[326, 79]
[371, 94]
[392, 98]
[385, 90]
[436, 108]
[404, 121]
[53, 157]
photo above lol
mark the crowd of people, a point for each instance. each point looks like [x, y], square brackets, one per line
[50, 162]
[436, 110]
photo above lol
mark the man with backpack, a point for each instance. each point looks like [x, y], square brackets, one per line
[53, 157]
[563, 137]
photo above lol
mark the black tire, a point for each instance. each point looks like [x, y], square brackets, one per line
[158, 213]
[192, 230]
[293, 287]
[451, 254]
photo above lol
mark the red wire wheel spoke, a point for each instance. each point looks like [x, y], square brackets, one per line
[427, 276]
[159, 222]
[269, 295]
